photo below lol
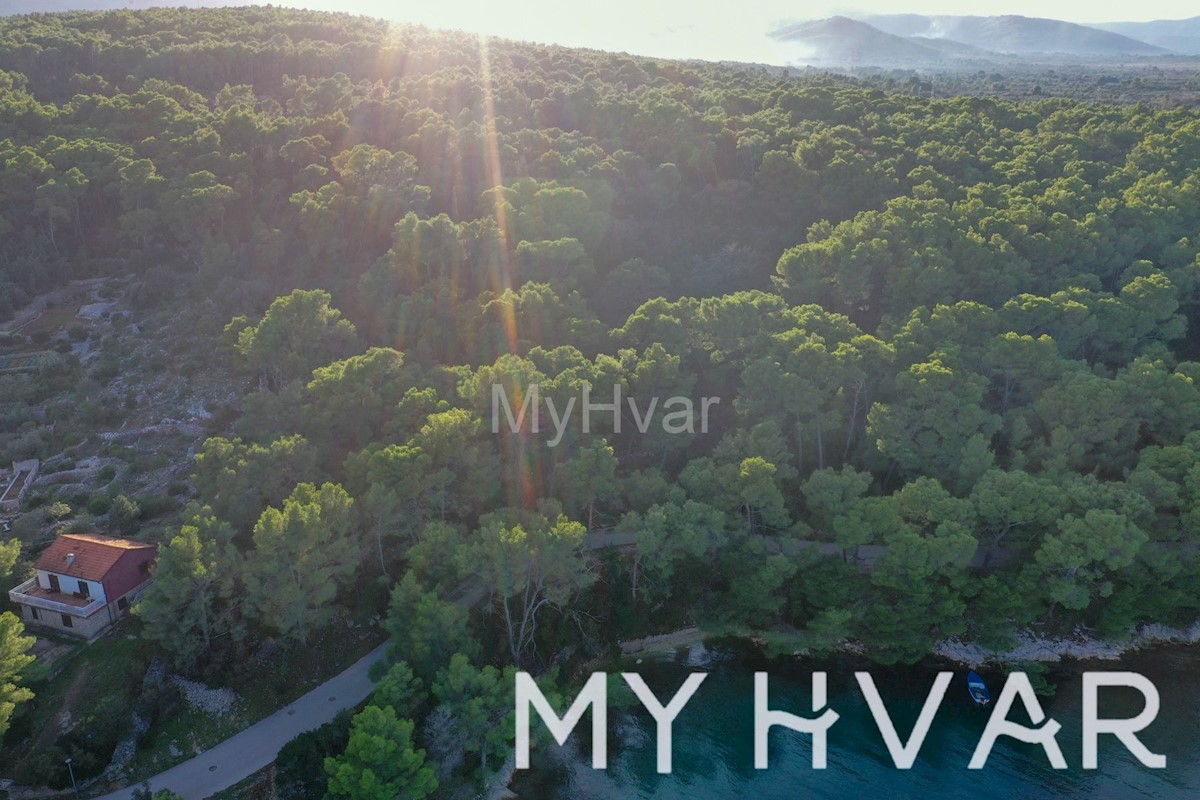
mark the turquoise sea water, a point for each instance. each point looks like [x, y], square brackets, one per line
[714, 746]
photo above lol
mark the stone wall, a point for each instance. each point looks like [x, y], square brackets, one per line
[81, 627]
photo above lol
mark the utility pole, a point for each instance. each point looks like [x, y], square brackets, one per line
[74, 786]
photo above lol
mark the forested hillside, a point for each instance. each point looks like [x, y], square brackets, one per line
[958, 329]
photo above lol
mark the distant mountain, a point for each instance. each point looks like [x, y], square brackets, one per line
[1016, 34]
[949, 47]
[845, 41]
[1180, 35]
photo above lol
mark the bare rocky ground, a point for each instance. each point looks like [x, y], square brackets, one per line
[150, 385]
[146, 397]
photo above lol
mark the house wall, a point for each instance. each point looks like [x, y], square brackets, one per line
[69, 585]
[127, 574]
[130, 598]
[84, 628]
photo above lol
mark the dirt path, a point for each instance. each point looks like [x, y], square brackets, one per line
[51, 732]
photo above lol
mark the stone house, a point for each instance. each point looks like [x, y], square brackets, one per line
[84, 583]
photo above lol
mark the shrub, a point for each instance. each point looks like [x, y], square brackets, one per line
[89, 745]
[99, 505]
[28, 526]
[58, 511]
[124, 514]
[105, 370]
[157, 703]
[154, 505]
[30, 444]
[300, 765]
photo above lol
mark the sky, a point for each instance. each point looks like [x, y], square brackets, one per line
[706, 29]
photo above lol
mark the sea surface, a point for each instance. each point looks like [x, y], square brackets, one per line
[713, 740]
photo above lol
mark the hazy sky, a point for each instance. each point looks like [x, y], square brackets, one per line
[667, 28]
[710, 29]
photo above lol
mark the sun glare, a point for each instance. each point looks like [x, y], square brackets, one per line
[709, 30]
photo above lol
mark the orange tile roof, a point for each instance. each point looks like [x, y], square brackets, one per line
[94, 554]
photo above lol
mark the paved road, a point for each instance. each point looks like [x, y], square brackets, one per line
[245, 753]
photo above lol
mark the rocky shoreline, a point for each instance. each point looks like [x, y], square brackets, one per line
[663, 641]
[1030, 647]
[1080, 647]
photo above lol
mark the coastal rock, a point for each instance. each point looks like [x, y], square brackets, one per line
[1080, 647]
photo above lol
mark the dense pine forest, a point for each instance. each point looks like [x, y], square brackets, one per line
[951, 339]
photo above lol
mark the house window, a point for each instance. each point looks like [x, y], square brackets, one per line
[122, 604]
[33, 613]
[67, 621]
[84, 589]
[54, 586]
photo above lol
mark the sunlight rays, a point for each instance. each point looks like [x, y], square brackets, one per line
[502, 280]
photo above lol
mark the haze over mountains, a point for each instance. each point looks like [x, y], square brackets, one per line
[758, 33]
[1014, 34]
[1179, 35]
[845, 41]
[920, 40]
